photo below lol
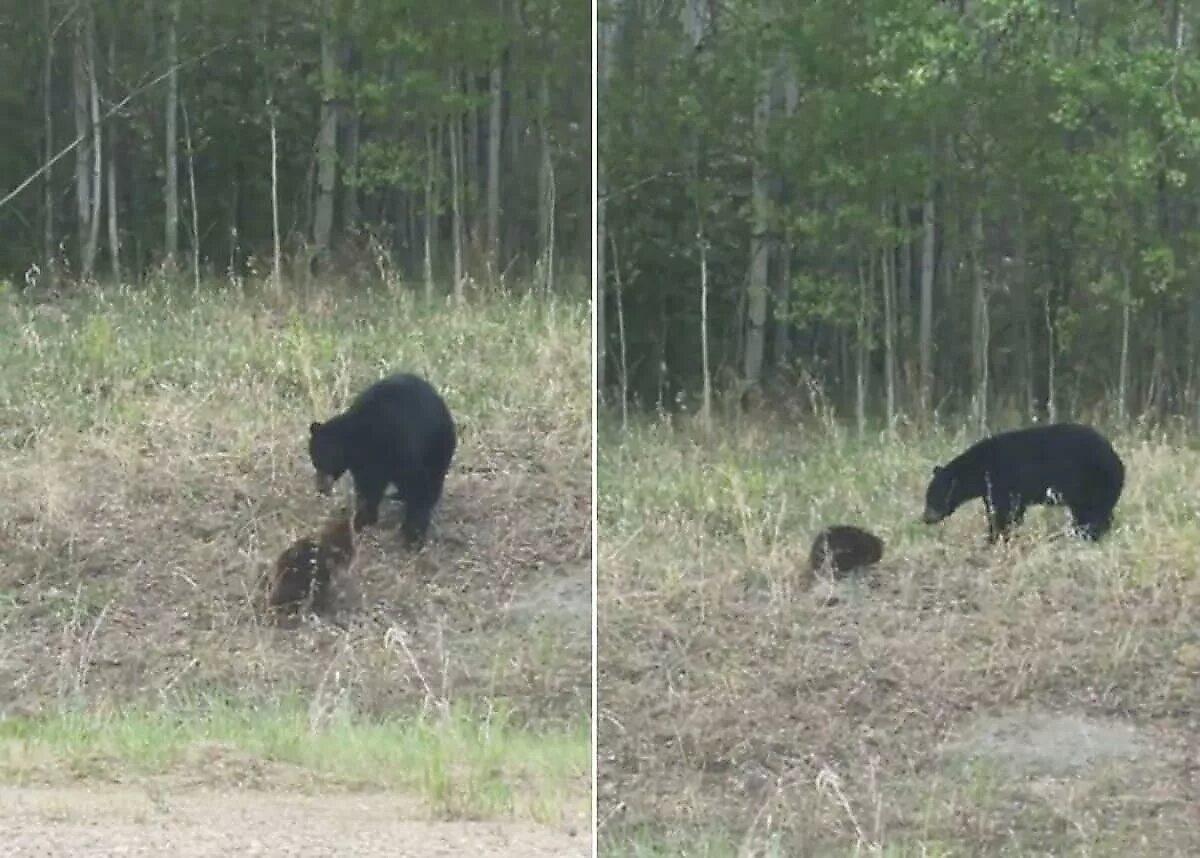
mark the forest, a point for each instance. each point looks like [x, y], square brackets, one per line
[445, 143]
[896, 209]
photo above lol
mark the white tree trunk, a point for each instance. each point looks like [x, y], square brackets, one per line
[431, 161]
[326, 146]
[456, 179]
[758, 288]
[495, 133]
[97, 194]
[605, 45]
[783, 287]
[277, 264]
[1051, 393]
[862, 354]
[171, 180]
[706, 402]
[622, 354]
[48, 251]
[1123, 372]
[114, 232]
[83, 152]
[889, 330]
[191, 159]
[545, 187]
[980, 329]
[928, 236]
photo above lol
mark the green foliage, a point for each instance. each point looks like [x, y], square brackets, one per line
[1073, 131]
[245, 65]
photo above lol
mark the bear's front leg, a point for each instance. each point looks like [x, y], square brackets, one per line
[368, 495]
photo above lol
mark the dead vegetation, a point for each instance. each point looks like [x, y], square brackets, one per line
[153, 466]
[955, 700]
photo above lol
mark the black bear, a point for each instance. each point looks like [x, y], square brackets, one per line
[843, 548]
[1063, 463]
[304, 570]
[397, 431]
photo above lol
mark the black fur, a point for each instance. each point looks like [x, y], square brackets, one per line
[398, 431]
[1063, 463]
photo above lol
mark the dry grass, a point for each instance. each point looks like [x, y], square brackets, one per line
[153, 462]
[745, 712]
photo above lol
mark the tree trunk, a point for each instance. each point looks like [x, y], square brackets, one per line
[1123, 371]
[758, 287]
[1028, 343]
[622, 354]
[706, 401]
[97, 194]
[862, 353]
[431, 159]
[1051, 392]
[470, 162]
[277, 265]
[83, 152]
[545, 185]
[351, 120]
[981, 322]
[195, 205]
[327, 136]
[928, 235]
[456, 179]
[171, 180]
[495, 132]
[114, 233]
[783, 283]
[49, 256]
[887, 278]
[607, 41]
[516, 239]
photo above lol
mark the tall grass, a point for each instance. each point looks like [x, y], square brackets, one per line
[153, 462]
[746, 709]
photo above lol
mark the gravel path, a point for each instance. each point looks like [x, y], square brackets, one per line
[78, 822]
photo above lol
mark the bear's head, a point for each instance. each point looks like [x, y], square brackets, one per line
[941, 498]
[328, 454]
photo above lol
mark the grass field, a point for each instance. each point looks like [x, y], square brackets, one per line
[153, 463]
[1037, 698]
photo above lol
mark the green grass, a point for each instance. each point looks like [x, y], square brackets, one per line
[88, 361]
[153, 462]
[460, 764]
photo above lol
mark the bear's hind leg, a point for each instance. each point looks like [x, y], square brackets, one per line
[416, 523]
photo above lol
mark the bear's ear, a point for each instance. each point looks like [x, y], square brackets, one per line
[314, 427]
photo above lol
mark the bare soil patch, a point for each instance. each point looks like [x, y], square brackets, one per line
[110, 820]
[1058, 743]
[112, 591]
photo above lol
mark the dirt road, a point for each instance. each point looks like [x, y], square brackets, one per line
[110, 820]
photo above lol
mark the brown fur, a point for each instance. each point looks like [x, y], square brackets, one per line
[844, 548]
[304, 571]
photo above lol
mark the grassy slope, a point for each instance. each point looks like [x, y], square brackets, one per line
[152, 461]
[744, 713]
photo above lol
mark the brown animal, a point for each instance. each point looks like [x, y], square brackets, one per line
[302, 574]
[842, 548]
